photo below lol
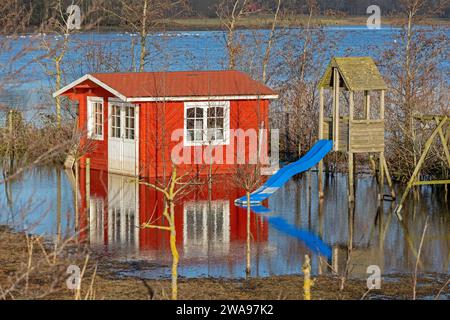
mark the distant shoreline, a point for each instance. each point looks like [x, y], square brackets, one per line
[265, 22]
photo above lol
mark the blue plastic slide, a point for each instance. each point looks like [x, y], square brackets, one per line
[309, 160]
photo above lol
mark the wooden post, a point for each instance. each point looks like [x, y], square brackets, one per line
[58, 206]
[320, 165]
[248, 251]
[382, 160]
[351, 189]
[381, 168]
[307, 282]
[373, 166]
[367, 104]
[444, 141]
[77, 175]
[335, 109]
[88, 189]
[286, 136]
[388, 178]
[335, 259]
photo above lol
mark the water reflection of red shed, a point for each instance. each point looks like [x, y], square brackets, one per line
[204, 222]
[131, 122]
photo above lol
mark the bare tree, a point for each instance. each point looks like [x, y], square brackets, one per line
[175, 188]
[143, 17]
[14, 17]
[304, 54]
[57, 44]
[413, 65]
[248, 177]
[230, 13]
[270, 43]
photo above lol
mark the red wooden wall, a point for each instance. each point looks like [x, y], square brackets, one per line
[157, 121]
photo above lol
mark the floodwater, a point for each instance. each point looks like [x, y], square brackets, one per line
[92, 52]
[211, 230]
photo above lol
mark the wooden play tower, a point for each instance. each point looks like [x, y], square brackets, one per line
[354, 126]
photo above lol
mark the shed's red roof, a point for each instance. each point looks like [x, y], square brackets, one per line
[183, 84]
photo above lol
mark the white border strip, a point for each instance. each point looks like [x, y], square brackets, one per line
[93, 79]
[155, 99]
[202, 98]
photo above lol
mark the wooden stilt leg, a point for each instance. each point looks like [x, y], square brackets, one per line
[320, 180]
[388, 178]
[373, 165]
[320, 177]
[381, 180]
[351, 188]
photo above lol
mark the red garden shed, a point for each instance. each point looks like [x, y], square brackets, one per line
[139, 123]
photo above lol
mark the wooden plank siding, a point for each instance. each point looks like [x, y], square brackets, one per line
[366, 136]
[342, 135]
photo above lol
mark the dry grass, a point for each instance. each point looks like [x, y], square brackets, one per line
[107, 285]
[265, 21]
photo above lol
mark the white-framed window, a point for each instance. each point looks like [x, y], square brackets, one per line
[115, 122]
[129, 122]
[206, 122]
[95, 125]
[123, 120]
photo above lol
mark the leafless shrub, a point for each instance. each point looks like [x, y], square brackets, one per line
[415, 72]
[42, 268]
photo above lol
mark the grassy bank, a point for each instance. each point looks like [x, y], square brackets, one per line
[44, 276]
[265, 21]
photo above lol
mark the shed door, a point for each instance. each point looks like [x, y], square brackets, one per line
[123, 138]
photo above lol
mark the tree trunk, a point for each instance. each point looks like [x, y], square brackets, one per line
[57, 87]
[173, 249]
[248, 268]
[143, 38]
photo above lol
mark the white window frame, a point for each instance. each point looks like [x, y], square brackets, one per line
[122, 104]
[112, 104]
[91, 118]
[205, 105]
